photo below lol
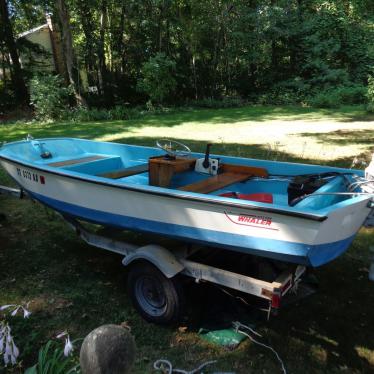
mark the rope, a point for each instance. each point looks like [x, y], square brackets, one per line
[354, 185]
[167, 367]
[353, 194]
[239, 326]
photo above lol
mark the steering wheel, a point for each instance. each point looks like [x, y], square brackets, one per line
[173, 148]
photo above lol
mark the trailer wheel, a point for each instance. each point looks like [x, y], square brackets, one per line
[158, 299]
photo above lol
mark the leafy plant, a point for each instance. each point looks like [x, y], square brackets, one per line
[7, 98]
[119, 112]
[158, 80]
[225, 102]
[8, 348]
[83, 114]
[344, 95]
[51, 360]
[370, 94]
[49, 96]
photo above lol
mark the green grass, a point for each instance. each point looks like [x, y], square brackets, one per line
[290, 131]
[76, 287]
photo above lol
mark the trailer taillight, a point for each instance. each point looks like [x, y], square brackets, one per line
[275, 301]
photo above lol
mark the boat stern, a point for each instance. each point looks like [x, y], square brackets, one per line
[339, 230]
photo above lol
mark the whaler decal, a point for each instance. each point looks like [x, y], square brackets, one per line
[261, 222]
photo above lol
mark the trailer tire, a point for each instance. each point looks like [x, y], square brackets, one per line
[158, 299]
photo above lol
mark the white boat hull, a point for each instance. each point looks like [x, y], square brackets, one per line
[269, 234]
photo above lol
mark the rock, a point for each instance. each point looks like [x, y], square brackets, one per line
[109, 349]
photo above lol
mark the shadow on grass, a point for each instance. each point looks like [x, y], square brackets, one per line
[258, 151]
[367, 117]
[344, 137]
[327, 332]
[337, 322]
[195, 117]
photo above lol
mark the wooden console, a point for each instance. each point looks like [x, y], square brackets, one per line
[162, 169]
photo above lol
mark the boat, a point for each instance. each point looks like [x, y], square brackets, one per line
[297, 213]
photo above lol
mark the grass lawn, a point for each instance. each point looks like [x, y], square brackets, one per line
[74, 287]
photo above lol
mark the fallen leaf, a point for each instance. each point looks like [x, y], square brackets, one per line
[126, 325]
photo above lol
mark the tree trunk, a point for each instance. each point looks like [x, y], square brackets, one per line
[88, 28]
[216, 56]
[109, 45]
[3, 64]
[103, 72]
[295, 44]
[16, 70]
[119, 43]
[68, 50]
[194, 76]
[160, 29]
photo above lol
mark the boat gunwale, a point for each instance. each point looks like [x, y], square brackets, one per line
[170, 194]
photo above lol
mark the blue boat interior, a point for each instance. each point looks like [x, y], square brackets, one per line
[127, 164]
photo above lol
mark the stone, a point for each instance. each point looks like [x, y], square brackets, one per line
[109, 349]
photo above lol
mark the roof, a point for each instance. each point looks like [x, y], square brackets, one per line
[31, 31]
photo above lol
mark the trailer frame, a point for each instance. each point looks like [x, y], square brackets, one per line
[175, 262]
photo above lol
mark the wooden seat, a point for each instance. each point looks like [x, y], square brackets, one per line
[230, 174]
[76, 161]
[243, 169]
[126, 172]
[215, 183]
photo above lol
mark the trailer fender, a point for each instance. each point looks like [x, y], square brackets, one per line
[160, 257]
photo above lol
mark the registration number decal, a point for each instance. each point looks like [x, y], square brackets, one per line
[34, 177]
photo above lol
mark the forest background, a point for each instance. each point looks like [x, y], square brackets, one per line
[206, 53]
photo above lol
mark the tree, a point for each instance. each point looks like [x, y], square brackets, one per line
[85, 15]
[68, 50]
[257, 49]
[158, 81]
[103, 71]
[17, 76]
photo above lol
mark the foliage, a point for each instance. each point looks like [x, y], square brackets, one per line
[335, 97]
[225, 102]
[280, 94]
[158, 80]
[370, 94]
[51, 360]
[7, 99]
[8, 348]
[273, 52]
[49, 96]
[336, 48]
[119, 112]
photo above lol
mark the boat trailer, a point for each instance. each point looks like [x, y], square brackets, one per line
[153, 279]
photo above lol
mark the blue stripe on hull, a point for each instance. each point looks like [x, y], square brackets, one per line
[323, 253]
[314, 255]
